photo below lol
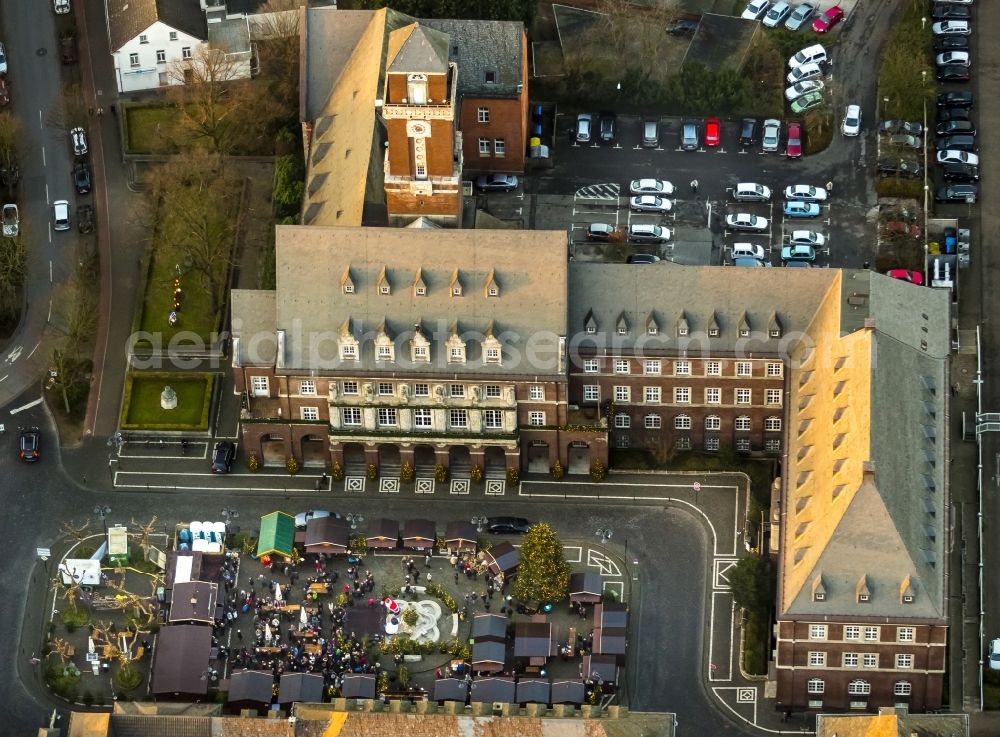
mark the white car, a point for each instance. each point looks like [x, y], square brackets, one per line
[772, 134]
[751, 192]
[748, 250]
[650, 203]
[777, 14]
[60, 6]
[60, 215]
[852, 120]
[807, 238]
[951, 28]
[651, 186]
[11, 220]
[951, 156]
[756, 10]
[805, 193]
[3, 59]
[815, 54]
[995, 654]
[746, 221]
[803, 88]
[961, 58]
[804, 72]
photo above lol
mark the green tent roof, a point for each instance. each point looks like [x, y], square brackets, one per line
[277, 534]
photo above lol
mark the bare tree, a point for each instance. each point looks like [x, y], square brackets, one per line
[10, 148]
[144, 532]
[276, 30]
[12, 265]
[207, 102]
[618, 20]
[69, 109]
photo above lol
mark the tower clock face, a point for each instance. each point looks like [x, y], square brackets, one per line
[418, 129]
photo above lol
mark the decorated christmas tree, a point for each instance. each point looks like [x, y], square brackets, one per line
[543, 573]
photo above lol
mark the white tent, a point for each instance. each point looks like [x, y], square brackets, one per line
[80, 570]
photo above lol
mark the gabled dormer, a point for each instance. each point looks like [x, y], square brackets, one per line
[346, 281]
[455, 285]
[907, 591]
[492, 350]
[589, 323]
[621, 324]
[652, 325]
[385, 346]
[683, 328]
[347, 342]
[419, 285]
[492, 288]
[382, 285]
[455, 345]
[818, 588]
[744, 326]
[863, 591]
[420, 347]
[774, 329]
[713, 328]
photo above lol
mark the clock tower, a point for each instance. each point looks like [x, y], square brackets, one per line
[423, 159]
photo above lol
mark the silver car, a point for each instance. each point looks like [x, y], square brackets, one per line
[800, 15]
[746, 221]
[772, 135]
[650, 203]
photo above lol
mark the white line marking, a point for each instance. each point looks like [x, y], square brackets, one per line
[4, 377]
[34, 349]
[23, 407]
[50, 271]
[49, 318]
[43, 157]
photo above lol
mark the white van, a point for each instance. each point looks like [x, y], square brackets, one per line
[751, 192]
[814, 54]
[748, 250]
[647, 233]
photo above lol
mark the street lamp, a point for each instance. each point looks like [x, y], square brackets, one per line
[605, 533]
[354, 520]
[480, 523]
[229, 515]
[102, 511]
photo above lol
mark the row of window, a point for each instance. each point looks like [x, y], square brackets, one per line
[682, 395]
[854, 632]
[161, 56]
[683, 330]
[712, 422]
[307, 387]
[494, 147]
[712, 443]
[859, 687]
[423, 418]
[654, 367]
[862, 660]
[420, 351]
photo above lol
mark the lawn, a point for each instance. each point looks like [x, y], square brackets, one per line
[196, 314]
[149, 129]
[142, 401]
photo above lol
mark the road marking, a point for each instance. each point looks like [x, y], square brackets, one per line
[47, 200]
[49, 318]
[50, 271]
[4, 377]
[43, 157]
[15, 353]
[41, 121]
[34, 349]
[23, 407]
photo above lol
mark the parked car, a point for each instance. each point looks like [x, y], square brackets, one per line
[651, 133]
[994, 655]
[957, 157]
[894, 228]
[3, 59]
[302, 518]
[799, 89]
[584, 121]
[61, 7]
[955, 98]
[802, 13]
[713, 132]
[60, 215]
[496, 183]
[947, 43]
[953, 73]
[806, 102]
[805, 193]
[950, 11]
[960, 173]
[777, 14]
[944, 114]
[748, 131]
[797, 264]
[852, 120]
[690, 137]
[746, 221]
[793, 146]
[815, 54]
[751, 192]
[905, 141]
[81, 178]
[223, 456]
[957, 193]
[903, 168]
[800, 209]
[961, 58]
[772, 134]
[601, 232]
[901, 126]
[650, 203]
[29, 445]
[78, 138]
[67, 47]
[952, 127]
[11, 220]
[682, 27]
[748, 250]
[751, 262]
[914, 277]
[606, 125]
[828, 20]
[756, 10]
[798, 253]
[642, 258]
[956, 143]
[85, 218]
[648, 233]
[951, 28]
[507, 525]
[804, 73]
[807, 238]
[650, 186]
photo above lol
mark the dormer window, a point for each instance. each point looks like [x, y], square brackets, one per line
[384, 353]
[491, 77]
[713, 332]
[623, 330]
[348, 289]
[652, 330]
[420, 347]
[492, 288]
[346, 282]
[819, 596]
[682, 331]
[591, 328]
[908, 598]
[349, 352]
[455, 346]
[589, 323]
[775, 333]
[420, 291]
[455, 285]
[416, 89]
[382, 283]
[744, 332]
[456, 290]
[864, 597]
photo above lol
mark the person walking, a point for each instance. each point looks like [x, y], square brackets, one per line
[694, 186]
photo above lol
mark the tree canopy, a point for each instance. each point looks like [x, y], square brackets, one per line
[543, 573]
[752, 583]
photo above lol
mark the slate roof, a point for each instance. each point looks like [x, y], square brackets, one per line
[489, 690]
[610, 641]
[419, 534]
[533, 690]
[481, 46]
[489, 627]
[358, 686]
[612, 615]
[181, 658]
[533, 640]
[568, 692]
[300, 687]
[450, 689]
[604, 666]
[461, 534]
[193, 601]
[585, 587]
[488, 653]
[251, 685]
[417, 48]
[254, 315]
[503, 558]
[128, 18]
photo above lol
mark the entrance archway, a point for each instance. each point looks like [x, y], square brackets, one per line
[354, 459]
[578, 457]
[495, 463]
[424, 461]
[538, 457]
[388, 460]
[459, 462]
[314, 452]
[272, 450]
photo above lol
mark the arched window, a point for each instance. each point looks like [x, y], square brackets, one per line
[859, 687]
[742, 423]
[713, 422]
[682, 422]
[902, 688]
[816, 685]
[772, 424]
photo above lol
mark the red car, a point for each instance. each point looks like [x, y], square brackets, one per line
[828, 20]
[914, 277]
[794, 149]
[713, 132]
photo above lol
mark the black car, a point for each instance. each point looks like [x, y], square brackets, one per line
[953, 73]
[960, 172]
[748, 131]
[904, 168]
[222, 457]
[951, 43]
[952, 113]
[682, 27]
[950, 11]
[955, 98]
[956, 143]
[606, 127]
[85, 218]
[952, 127]
[957, 193]
[507, 525]
[29, 445]
[81, 178]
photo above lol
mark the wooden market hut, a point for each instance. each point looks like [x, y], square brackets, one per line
[383, 534]
[585, 588]
[419, 534]
[461, 536]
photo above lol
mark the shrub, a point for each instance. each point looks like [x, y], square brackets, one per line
[403, 676]
[438, 592]
[410, 617]
[557, 470]
[292, 465]
[253, 463]
[359, 545]
[371, 472]
[513, 476]
[288, 186]
[406, 472]
[477, 473]
[342, 599]
[440, 473]
[337, 472]
[597, 471]
[128, 678]
[894, 187]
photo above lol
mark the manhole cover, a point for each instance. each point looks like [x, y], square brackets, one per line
[42, 52]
